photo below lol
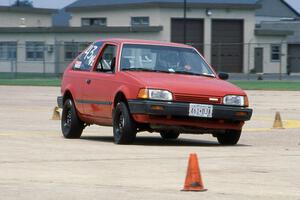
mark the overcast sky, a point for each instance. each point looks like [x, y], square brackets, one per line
[63, 3]
[42, 3]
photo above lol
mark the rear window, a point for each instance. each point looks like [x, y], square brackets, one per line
[86, 60]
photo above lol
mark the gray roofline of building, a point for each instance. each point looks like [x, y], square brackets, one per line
[272, 32]
[28, 10]
[108, 29]
[162, 5]
[291, 8]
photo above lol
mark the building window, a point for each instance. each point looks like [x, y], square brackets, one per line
[35, 51]
[73, 49]
[8, 50]
[93, 21]
[140, 21]
[275, 52]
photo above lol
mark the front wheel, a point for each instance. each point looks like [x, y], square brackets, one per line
[71, 125]
[230, 137]
[124, 127]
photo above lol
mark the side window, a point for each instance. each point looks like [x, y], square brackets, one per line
[35, 51]
[275, 52]
[87, 58]
[107, 62]
[140, 21]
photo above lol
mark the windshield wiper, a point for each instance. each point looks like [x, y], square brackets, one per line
[195, 74]
[208, 75]
[138, 69]
[170, 72]
[145, 70]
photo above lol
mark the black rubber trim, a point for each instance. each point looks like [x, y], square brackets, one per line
[60, 101]
[182, 110]
[94, 102]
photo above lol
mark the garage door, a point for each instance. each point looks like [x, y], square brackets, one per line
[227, 45]
[194, 32]
[294, 58]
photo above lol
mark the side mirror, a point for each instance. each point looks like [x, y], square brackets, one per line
[223, 76]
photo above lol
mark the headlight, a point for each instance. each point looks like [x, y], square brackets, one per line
[155, 94]
[234, 100]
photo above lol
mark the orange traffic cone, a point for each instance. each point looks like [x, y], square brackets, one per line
[278, 121]
[193, 180]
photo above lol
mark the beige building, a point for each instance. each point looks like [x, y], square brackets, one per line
[224, 31]
[25, 17]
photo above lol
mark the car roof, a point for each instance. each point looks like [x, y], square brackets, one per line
[138, 41]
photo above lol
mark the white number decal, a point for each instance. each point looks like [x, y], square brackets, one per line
[90, 54]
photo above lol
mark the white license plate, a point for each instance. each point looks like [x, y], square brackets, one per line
[201, 110]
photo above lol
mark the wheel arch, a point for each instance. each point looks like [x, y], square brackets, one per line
[120, 96]
[67, 95]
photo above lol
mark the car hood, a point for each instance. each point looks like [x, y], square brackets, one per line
[186, 84]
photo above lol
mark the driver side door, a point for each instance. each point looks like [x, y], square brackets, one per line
[102, 85]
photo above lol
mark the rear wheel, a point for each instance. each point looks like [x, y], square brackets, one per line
[71, 125]
[169, 135]
[124, 127]
[230, 137]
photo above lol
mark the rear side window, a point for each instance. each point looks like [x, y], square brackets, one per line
[86, 60]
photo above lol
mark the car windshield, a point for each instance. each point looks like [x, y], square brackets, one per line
[153, 58]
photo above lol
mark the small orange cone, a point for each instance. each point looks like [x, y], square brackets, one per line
[278, 122]
[193, 180]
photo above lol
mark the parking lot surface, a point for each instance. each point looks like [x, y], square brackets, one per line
[36, 162]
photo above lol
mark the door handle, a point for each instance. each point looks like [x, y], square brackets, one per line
[88, 81]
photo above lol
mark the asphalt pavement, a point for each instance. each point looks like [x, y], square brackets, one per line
[36, 162]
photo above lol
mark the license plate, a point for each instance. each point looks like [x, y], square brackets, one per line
[200, 110]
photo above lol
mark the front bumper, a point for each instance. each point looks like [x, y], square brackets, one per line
[178, 109]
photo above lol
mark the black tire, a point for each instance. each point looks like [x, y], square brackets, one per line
[71, 125]
[169, 135]
[230, 137]
[124, 127]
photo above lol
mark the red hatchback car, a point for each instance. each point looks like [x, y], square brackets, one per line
[137, 85]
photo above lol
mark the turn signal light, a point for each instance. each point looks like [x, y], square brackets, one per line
[157, 107]
[246, 101]
[143, 94]
[241, 114]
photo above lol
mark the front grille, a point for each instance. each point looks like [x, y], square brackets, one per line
[196, 99]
